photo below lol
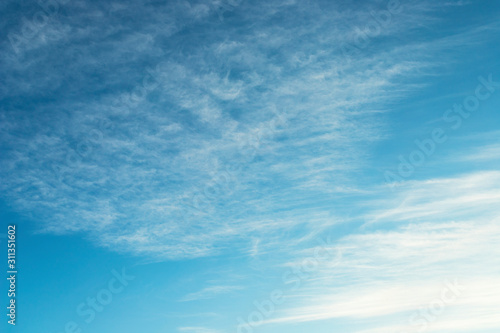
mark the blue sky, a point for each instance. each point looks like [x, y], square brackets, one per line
[265, 166]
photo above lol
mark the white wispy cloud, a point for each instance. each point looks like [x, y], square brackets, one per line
[296, 126]
[389, 275]
[148, 175]
[470, 195]
[209, 292]
[183, 133]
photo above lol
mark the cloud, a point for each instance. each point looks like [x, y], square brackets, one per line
[209, 292]
[174, 131]
[131, 140]
[156, 140]
[446, 230]
[469, 195]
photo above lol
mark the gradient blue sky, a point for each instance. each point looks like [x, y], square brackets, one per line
[208, 147]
